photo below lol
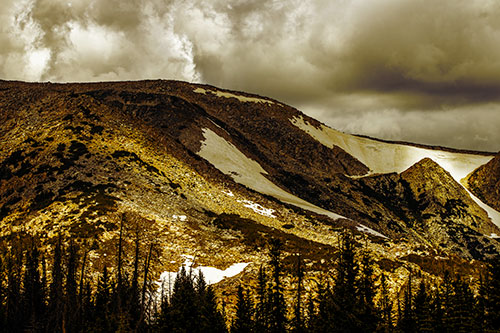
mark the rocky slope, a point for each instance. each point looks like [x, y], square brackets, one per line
[485, 182]
[214, 174]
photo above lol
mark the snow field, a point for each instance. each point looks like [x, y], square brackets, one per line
[241, 98]
[231, 161]
[383, 157]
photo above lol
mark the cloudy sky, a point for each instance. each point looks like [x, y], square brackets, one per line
[416, 70]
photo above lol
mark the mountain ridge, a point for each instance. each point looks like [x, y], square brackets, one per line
[78, 156]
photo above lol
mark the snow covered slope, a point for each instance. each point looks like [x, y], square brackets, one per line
[231, 161]
[385, 157]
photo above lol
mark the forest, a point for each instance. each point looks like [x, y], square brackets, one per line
[51, 291]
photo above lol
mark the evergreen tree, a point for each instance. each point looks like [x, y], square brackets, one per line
[345, 295]
[119, 276]
[88, 311]
[243, 321]
[446, 296]
[277, 304]
[212, 321]
[262, 305]
[145, 283]
[480, 318]
[14, 314]
[2, 308]
[102, 302]
[55, 308]
[437, 311]
[183, 313]
[406, 321]
[366, 294]
[491, 295]
[423, 314]
[461, 308]
[44, 292]
[134, 306]
[298, 320]
[71, 312]
[33, 302]
[324, 319]
[311, 313]
[385, 325]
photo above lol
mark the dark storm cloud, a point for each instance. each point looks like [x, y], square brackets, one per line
[419, 70]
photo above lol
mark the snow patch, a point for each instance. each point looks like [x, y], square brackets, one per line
[231, 161]
[228, 193]
[241, 98]
[212, 275]
[366, 230]
[258, 208]
[180, 217]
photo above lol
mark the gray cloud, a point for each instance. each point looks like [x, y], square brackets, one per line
[420, 70]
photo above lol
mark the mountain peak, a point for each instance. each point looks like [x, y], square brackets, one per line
[485, 182]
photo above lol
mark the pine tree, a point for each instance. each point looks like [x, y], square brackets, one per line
[423, 315]
[262, 305]
[145, 283]
[311, 313]
[102, 303]
[2, 290]
[406, 321]
[298, 318]
[133, 301]
[491, 295]
[366, 310]
[71, 312]
[385, 324]
[119, 275]
[14, 313]
[446, 293]
[88, 311]
[55, 308]
[480, 318]
[243, 321]
[184, 313]
[44, 292]
[345, 295]
[437, 311]
[461, 308]
[32, 294]
[277, 301]
[325, 319]
[211, 320]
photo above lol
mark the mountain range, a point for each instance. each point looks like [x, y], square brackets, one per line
[214, 174]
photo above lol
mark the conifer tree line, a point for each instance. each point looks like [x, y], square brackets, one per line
[43, 291]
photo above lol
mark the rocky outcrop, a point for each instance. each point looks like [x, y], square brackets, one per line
[485, 182]
[425, 203]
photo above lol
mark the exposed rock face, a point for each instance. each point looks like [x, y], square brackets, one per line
[437, 194]
[485, 182]
[426, 204]
[445, 212]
